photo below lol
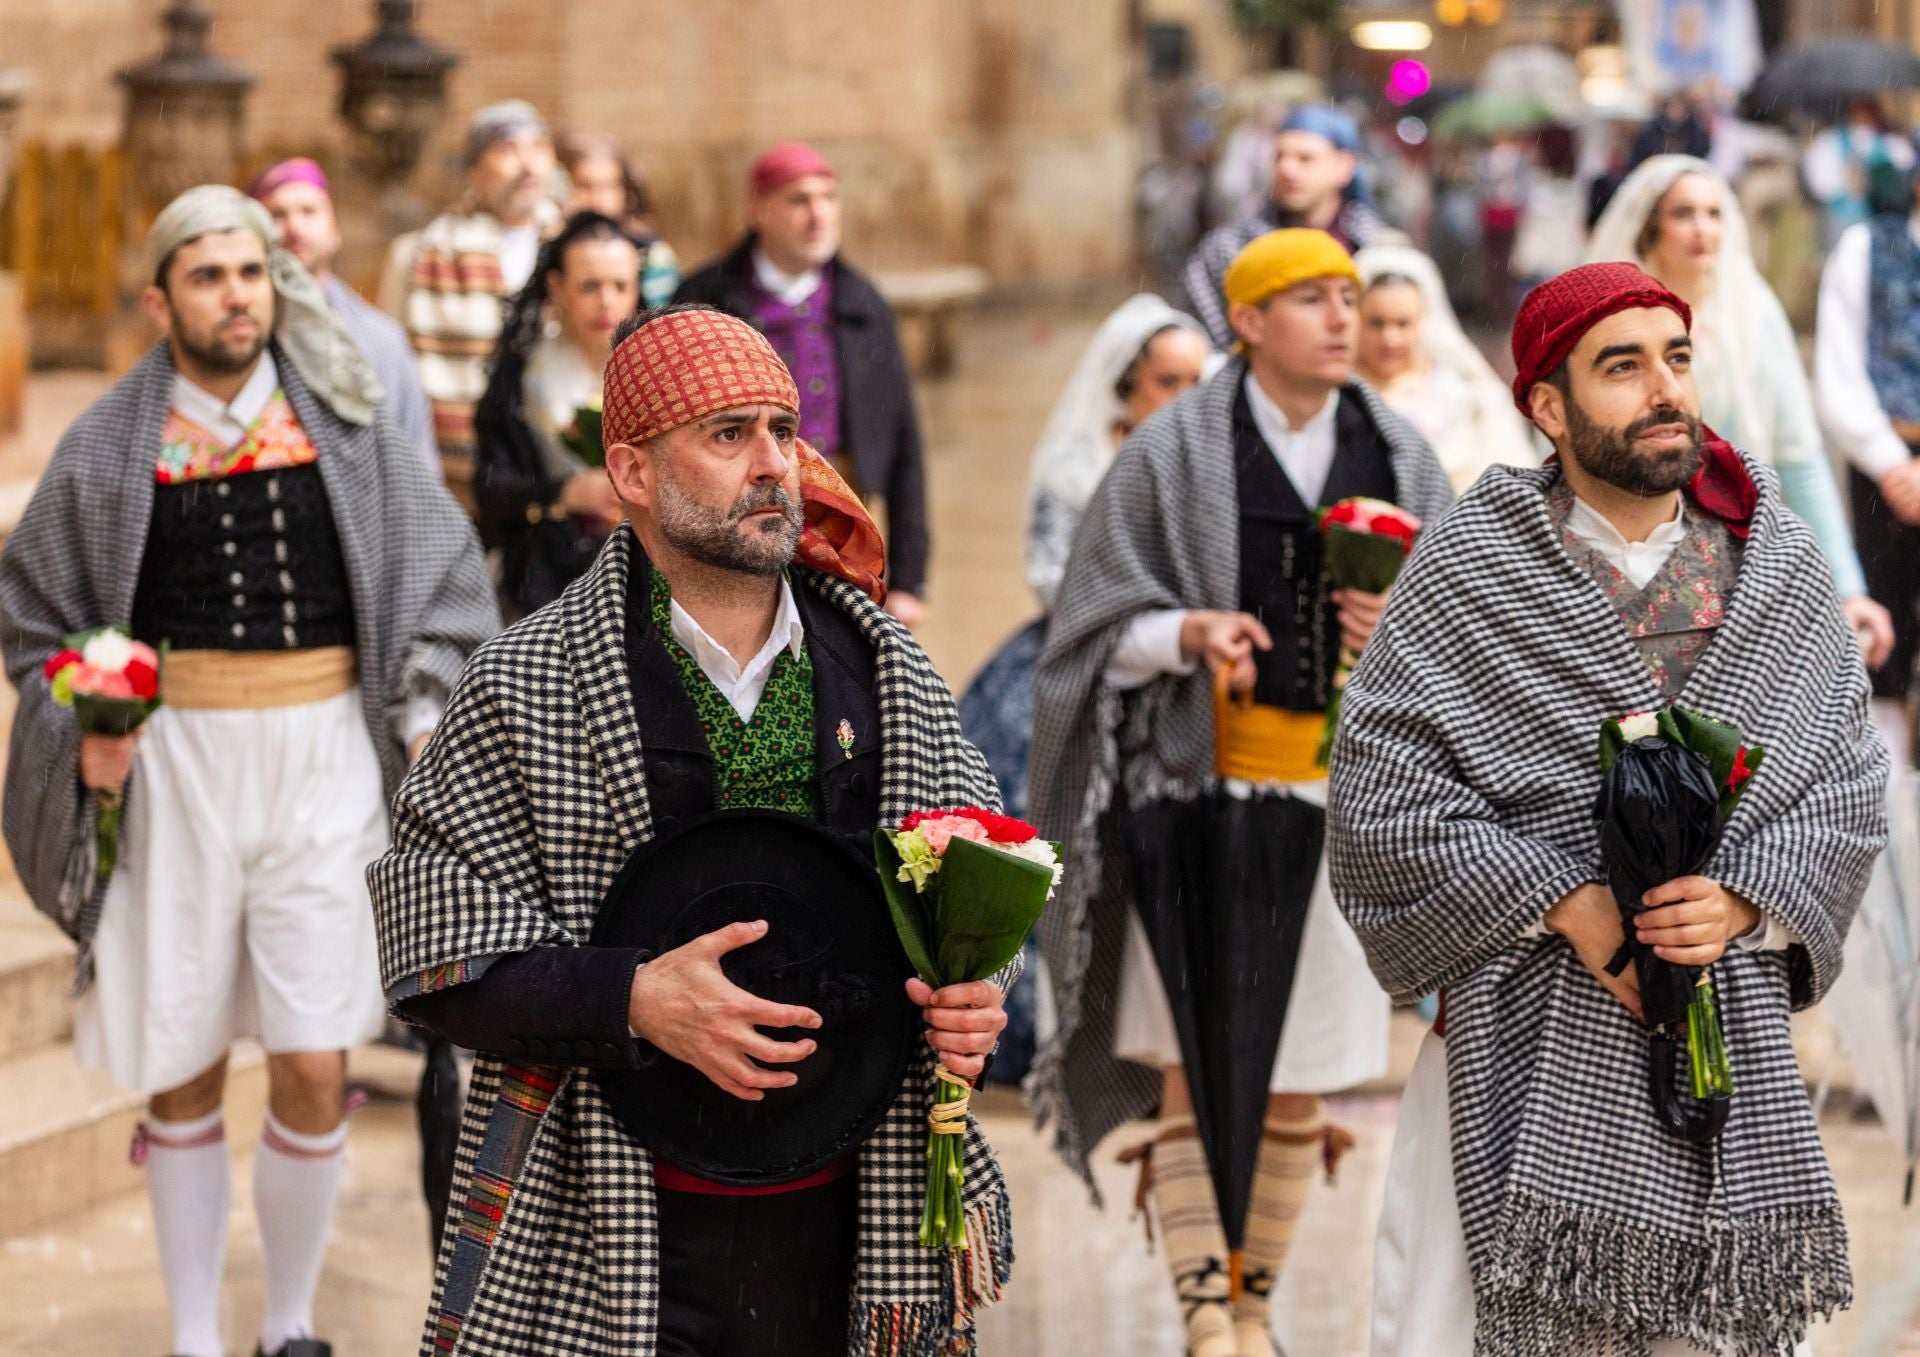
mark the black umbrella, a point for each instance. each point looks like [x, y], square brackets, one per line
[1829, 71]
[1222, 884]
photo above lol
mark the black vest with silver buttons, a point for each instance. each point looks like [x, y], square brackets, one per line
[1282, 574]
[246, 562]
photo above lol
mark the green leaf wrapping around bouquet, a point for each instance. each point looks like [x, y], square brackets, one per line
[1720, 742]
[587, 437]
[112, 715]
[1367, 561]
[912, 911]
[985, 904]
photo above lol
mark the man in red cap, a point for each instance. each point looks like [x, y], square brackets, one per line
[724, 653]
[1535, 1200]
[836, 334]
[298, 196]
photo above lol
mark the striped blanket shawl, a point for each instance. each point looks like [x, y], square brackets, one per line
[506, 837]
[1162, 531]
[1463, 786]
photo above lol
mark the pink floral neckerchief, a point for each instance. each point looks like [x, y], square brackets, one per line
[1673, 619]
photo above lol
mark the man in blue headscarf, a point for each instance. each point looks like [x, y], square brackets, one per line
[1315, 183]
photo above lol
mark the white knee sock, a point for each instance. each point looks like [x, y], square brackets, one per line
[190, 1184]
[296, 1179]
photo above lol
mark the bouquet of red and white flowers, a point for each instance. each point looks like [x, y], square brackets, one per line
[965, 887]
[1670, 782]
[1367, 542]
[111, 682]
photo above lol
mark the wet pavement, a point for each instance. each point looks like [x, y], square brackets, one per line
[1086, 1282]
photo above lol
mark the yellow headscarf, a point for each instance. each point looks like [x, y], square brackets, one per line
[1280, 259]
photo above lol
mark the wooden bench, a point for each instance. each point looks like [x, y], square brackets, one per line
[925, 302]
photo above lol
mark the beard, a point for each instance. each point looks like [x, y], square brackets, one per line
[724, 538]
[1608, 454]
[212, 353]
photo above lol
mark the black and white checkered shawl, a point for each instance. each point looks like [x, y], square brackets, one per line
[506, 837]
[1463, 785]
[1206, 269]
[1162, 531]
[422, 601]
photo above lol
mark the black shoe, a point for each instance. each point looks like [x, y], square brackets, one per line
[298, 1347]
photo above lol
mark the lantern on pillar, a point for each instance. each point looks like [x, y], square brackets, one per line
[393, 91]
[185, 117]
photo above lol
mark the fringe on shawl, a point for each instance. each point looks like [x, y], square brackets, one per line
[1562, 1279]
[977, 1277]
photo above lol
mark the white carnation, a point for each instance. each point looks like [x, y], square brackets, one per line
[109, 651]
[1639, 726]
[1037, 851]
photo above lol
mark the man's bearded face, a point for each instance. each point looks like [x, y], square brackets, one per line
[756, 534]
[1614, 455]
[220, 301]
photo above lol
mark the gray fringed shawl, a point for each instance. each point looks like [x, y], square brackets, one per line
[422, 601]
[1162, 531]
[506, 837]
[1461, 810]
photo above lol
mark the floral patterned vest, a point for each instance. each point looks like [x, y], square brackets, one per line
[1673, 619]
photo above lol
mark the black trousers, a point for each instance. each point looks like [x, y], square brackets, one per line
[1890, 557]
[757, 1276]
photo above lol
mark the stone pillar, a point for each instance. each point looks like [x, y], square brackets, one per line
[393, 96]
[13, 308]
[185, 125]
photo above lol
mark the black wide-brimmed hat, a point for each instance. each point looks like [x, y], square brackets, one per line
[830, 946]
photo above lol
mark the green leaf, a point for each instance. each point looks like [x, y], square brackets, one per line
[986, 904]
[909, 910]
[1367, 561]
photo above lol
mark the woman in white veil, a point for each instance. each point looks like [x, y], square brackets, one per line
[1677, 218]
[1142, 356]
[1415, 355]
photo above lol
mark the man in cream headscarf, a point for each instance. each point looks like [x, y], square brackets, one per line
[1199, 555]
[241, 497]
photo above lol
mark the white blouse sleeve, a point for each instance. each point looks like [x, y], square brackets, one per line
[1850, 409]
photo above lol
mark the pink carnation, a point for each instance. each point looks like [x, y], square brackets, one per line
[91, 682]
[144, 654]
[938, 833]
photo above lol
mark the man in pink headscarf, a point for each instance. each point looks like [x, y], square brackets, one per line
[300, 200]
[836, 334]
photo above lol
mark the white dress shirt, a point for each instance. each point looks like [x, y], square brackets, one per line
[227, 421]
[742, 685]
[1850, 409]
[1150, 646]
[519, 252]
[791, 288]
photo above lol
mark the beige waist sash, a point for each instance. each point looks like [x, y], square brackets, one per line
[253, 680]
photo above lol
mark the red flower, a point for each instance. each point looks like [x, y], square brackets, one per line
[1372, 516]
[60, 661]
[1739, 773]
[1000, 828]
[143, 678]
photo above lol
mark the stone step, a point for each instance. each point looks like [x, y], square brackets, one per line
[36, 976]
[65, 1132]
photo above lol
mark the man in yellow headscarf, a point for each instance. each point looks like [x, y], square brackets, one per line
[1196, 612]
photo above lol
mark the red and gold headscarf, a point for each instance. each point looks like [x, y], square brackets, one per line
[690, 364]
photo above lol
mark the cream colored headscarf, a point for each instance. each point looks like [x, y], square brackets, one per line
[307, 330]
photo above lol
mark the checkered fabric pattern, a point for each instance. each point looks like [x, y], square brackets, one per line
[684, 366]
[506, 837]
[1463, 785]
[421, 598]
[1162, 531]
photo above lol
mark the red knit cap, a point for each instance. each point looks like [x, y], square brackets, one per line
[1561, 310]
[780, 165]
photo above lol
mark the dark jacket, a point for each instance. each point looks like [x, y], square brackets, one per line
[572, 1002]
[515, 491]
[878, 426]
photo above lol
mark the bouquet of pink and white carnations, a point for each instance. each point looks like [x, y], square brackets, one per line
[111, 683]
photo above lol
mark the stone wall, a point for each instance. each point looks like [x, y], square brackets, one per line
[986, 131]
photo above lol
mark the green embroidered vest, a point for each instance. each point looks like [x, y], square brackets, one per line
[763, 764]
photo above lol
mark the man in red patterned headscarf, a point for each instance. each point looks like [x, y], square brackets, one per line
[725, 652]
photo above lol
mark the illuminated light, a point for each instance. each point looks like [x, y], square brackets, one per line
[1452, 13]
[1392, 35]
[1410, 77]
[1411, 130]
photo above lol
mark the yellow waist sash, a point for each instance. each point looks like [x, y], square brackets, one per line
[257, 680]
[1253, 742]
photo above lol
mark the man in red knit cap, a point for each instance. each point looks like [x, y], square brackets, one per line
[836, 334]
[1537, 1202]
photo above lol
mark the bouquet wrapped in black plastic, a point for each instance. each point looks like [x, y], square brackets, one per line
[1670, 780]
